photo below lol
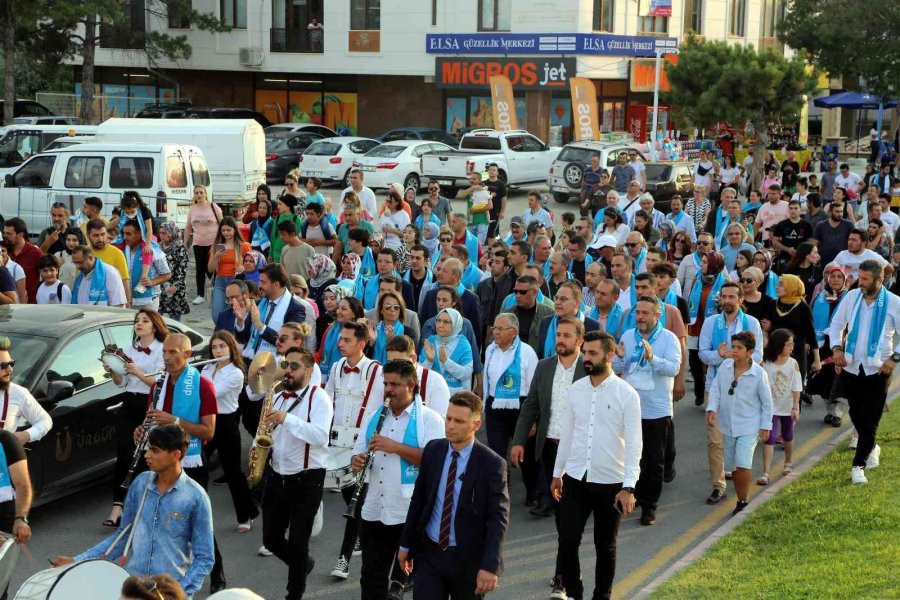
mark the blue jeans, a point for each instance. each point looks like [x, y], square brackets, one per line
[479, 231]
[218, 296]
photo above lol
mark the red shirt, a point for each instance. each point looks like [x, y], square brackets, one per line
[27, 259]
[208, 404]
[462, 241]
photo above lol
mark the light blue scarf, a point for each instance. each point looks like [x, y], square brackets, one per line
[550, 340]
[638, 358]
[509, 302]
[671, 299]
[696, 295]
[510, 385]
[379, 354]
[460, 353]
[123, 218]
[720, 331]
[642, 255]
[588, 261]
[876, 326]
[259, 236]
[629, 322]
[821, 311]
[98, 293]
[613, 319]
[676, 218]
[471, 277]
[330, 351]
[134, 270]
[771, 283]
[7, 492]
[186, 405]
[429, 277]
[408, 471]
[472, 246]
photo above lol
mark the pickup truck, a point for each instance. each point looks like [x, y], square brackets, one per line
[521, 158]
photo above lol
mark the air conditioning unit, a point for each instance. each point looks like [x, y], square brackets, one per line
[250, 57]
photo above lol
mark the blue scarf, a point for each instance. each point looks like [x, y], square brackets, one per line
[259, 234]
[696, 294]
[719, 221]
[408, 471]
[461, 355]
[723, 227]
[720, 331]
[613, 319]
[186, 405]
[7, 492]
[821, 311]
[876, 326]
[379, 354]
[420, 222]
[471, 277]
[771, 282]
[330, 351]
[550, 341]
[629, 322]
[255, 337]
[638, 358]
[472, 246]
[598, 218]
[642, 255]
[366, 265]
[98, 292]
[677, 218]
[510, 385]
[123, 218]
[671, 299]
[135, 271]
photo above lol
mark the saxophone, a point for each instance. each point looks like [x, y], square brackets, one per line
[263, 442]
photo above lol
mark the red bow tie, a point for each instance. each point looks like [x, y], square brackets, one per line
[289, 394]
[144, 350]
[348, 370]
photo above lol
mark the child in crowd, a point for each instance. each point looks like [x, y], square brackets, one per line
[132, 208]
[52, 291]
[786, 384]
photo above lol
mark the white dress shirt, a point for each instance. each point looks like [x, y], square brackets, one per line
[495, 364]
[842, 322]
[749, 408]
[228, 381]
[659, 373]
[437, 394]
[147, 363]
[18, 403]
[369, 203]
[305, 429]
[385, 500]
[563, 379]
[603, 443]
[348, 390]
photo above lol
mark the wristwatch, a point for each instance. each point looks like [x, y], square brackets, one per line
[22, 518]
[630, 490]
[895, 357]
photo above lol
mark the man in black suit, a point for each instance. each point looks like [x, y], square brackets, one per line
[566, 304]
[450, 273]
[236, 291]
[456, 546]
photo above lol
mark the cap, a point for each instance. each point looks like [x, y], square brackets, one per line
[517, 221]
[604, 241]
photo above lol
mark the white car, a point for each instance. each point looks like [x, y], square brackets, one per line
[331, 159]
[305, 127]
[397, 162]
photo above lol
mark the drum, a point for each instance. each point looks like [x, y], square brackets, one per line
[338, 474]
[94, 579]
[9, 556]
[115, 359]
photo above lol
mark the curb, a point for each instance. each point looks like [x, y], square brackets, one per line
[759, 500]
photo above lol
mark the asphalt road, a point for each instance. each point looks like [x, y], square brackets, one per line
[68, 526]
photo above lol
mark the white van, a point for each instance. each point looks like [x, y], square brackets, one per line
[235, 149]
[163, 174]
[20, 142]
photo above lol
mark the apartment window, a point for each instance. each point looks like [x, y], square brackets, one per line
[653, 25]
[737, 16]
[365, 15]
[773, 13]
[693, 16]
[234, 13]
[493, 15]
[177, 13]
[129, 34]
[603, 15]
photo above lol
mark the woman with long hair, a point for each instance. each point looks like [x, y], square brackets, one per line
[680, 247]
[226, 262]
[614, 225]
[173, 301]
[730, 173]
[145, 354]
[259, 217]
[347, 309]
[200, 232]
[644, 225]
[228, 378]
[793, 313]
[393, 219]
[786, 384]
[805, 265]
[743, 260]
[448, 352]
[390, 310]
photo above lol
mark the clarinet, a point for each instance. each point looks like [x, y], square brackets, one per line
[370, 454]
[145, 433]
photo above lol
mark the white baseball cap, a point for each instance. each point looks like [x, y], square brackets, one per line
[604, 241]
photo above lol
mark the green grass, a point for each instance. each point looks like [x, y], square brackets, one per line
[819, 538]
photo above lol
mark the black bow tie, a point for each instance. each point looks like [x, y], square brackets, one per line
[144, 350]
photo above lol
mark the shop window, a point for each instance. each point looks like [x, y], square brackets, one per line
[613, 117]
[85, 172]
[603, 15]
[494, 15]
[233, 13]
[177, 12]
[737, 16]
[653, 25]
[693, 16]
[365, 15]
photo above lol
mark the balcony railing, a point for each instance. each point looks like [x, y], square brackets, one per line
[297, 40]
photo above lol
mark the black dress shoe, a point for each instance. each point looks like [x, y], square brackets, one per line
[698, 401]
[648, 517]
[741, 505]
[716, 496]
[530, 501]
[669, 475]
[310, 564]
[216, 586]
[541, 510]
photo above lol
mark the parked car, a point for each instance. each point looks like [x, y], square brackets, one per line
[520, 157]
[27, 108]
[283, 152]
[332, 158]
[665, 179]
[419, 133]
[566, 172]
[49, 120]
[398, 162]
[304, 127]
[57, 352]
[227, 113]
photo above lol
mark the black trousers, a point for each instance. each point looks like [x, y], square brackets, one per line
[379, 544]
[351, 527]
[129, 416]
[653, 457]
[501, 425]
[696, 366]
[444, 574]
[201, 257]
[579, 501]
[227, 440]
[866, 408]
[201, 476]
[289, 506]
[548, 459]
[670, 447]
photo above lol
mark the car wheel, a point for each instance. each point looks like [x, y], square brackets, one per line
[573, 173]
[449, 192]
[412, 181]
[560, 197]
[346, 180]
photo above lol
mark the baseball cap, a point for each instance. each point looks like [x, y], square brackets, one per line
[519, 221]
[604, 241]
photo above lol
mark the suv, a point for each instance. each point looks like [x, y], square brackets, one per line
[566, 172]
[665, 179]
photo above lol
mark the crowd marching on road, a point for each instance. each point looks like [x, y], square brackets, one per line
[399, 329]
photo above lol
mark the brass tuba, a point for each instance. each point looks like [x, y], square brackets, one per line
[265, 377]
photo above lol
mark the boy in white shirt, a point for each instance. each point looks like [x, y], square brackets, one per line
[52, 291]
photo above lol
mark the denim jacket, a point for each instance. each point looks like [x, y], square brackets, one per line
[173, 536]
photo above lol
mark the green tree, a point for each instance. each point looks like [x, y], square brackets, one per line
[715, 82]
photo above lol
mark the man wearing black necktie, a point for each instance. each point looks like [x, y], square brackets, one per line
[459, 512]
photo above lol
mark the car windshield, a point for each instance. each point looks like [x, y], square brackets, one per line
[27, 351]
[323, 149]
[574, 153]
[479, 142]
[385, 151]
[275, 143]
[659, 172]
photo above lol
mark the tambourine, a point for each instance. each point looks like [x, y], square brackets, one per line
[116, 359]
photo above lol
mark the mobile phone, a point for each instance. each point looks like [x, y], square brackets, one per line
[220, 247]
[619, 508]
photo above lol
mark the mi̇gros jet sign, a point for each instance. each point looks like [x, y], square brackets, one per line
[523, 73]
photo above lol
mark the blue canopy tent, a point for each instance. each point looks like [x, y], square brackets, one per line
[859, 101]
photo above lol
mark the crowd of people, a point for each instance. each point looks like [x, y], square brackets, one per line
[402, 329]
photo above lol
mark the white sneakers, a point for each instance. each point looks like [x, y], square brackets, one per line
[858, 475]
[198, 300]
[874, 458]
[853, 441]
[319, 520]
[263, 551]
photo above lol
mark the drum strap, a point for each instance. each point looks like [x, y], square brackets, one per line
[5, 408]
[362, 409]
[312, 394]
[423, 391]
[129, 529]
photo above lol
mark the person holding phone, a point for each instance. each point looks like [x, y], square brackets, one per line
[227, 261]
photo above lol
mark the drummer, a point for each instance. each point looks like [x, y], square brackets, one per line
[146, 359]
[171, 515]
[15, 499]
[356, 384]
[432, 387]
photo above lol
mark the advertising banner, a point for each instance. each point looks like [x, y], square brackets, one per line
[589, 44]
[504, 104]
[585, 109]
[523, 73]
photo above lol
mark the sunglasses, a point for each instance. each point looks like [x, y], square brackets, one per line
[747, 281]
[632, 244]
[391, 307]
[446, 239]
[7, 365]
[733, 386]
[522, 292]
[704, 243]
[294, 366]
[283, 338]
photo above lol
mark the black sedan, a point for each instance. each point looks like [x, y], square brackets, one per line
[665, 179]
[283, 152]
[57, 353]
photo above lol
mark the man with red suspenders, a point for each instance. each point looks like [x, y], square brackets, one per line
[301, 416]
[357, 386]
[432, 387]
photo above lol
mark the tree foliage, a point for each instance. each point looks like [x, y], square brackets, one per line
[857, 39]
[717, 82]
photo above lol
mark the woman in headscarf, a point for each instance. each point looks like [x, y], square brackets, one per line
[431, 237]
[794, 314]
[447, 352]
[322, 273]
[347, 309]
[328, 306]
[259, 218]
[826, 299]
[756, 304]
[173, 301]
[666, 233]
[376, 242]
[253, 262]
[390, 310]
[762, 260]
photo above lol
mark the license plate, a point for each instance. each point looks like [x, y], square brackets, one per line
[366, 168]
[444, 182]
[313, 173]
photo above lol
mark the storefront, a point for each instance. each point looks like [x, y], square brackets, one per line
[332, 101]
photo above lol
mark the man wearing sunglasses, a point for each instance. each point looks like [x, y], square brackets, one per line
[689, 269]
[18, 401]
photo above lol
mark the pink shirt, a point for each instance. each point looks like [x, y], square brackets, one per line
[204, 223]
[770, 214]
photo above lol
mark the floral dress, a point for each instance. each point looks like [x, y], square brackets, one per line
[176, 304]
